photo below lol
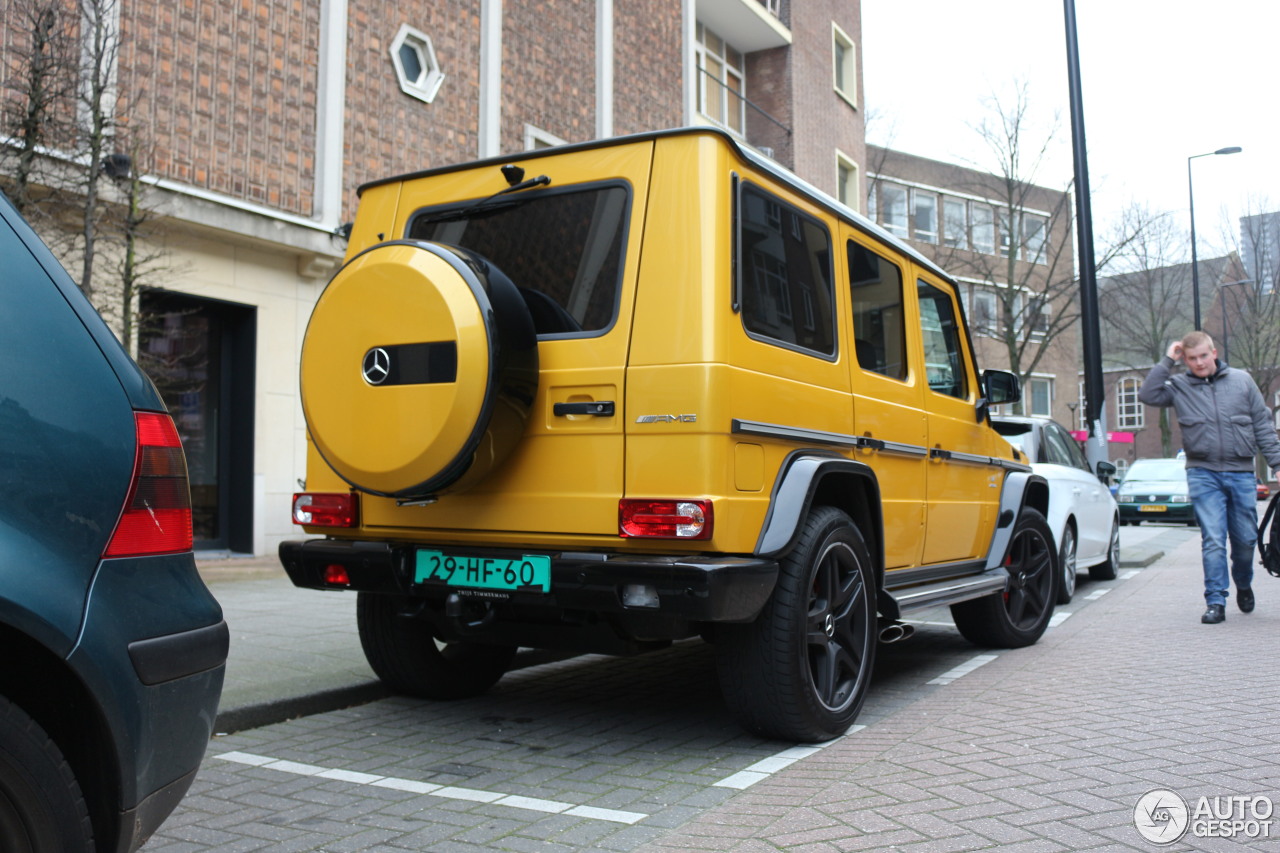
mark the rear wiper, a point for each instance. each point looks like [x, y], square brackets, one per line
[490, 204]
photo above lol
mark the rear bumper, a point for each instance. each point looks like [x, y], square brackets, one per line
[698, 588]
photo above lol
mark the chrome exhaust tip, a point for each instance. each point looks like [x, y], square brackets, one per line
[896, 631]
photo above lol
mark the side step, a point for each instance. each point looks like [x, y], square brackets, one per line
[950, 591]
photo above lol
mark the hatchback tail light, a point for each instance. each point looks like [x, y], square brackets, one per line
[666, 519]
[325, 509]
[157, 513]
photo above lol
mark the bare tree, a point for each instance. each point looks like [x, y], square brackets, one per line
[97, 121]
[1249, 307]
[1145, 307]
[39, 78]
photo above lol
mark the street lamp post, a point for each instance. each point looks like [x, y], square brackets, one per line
[1195, 268]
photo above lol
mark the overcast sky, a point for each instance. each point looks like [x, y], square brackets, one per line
[1161, 80]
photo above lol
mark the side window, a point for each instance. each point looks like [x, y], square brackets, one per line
[879, 331]
[785, 281]
[943, 355]
[1074, 454]
[1053, 450]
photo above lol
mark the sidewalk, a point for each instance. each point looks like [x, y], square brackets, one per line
[297, 651]
[1048, 748]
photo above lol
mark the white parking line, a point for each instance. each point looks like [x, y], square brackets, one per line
[963, 669]
[766, 767]
[1098, 593]
[1058, 617]
[1124, 576]
[415, 787]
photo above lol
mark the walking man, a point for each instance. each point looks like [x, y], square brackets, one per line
[1224, 424]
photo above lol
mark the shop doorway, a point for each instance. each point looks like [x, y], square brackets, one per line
[201, 353]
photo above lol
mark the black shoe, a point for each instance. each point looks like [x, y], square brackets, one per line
[1215, 614]
[1244, 598]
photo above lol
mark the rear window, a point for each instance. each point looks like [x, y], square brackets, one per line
[564, 249]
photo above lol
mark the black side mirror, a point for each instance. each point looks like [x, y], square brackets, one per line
[1106, 471]
[998, 386]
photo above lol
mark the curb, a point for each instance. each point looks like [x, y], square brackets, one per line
[1142, 561]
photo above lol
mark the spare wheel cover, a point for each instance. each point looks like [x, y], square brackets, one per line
[417, 355]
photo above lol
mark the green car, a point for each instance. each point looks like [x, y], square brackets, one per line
[1155, 490]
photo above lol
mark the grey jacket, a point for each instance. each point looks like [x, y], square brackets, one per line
[1223, 418]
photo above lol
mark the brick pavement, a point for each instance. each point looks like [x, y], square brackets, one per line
[1048, 748]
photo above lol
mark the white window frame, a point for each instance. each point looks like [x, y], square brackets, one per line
[721, 90]
[984, 229]
[536, 137]
[986, 321]
[430, 78]
[900, 229]
[961, 240]
[1035, 249]
[849, 194]
[923, 235]
[844, 64]
[1046, 381]
[1131, 414]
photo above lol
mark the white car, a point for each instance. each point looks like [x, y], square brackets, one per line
[1082, 512]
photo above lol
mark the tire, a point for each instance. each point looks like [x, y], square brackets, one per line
[402, 650]
[1067, 563]
[418, 370]
[800, 671]
[42, 809]
[1110, 568]
[1018, 616]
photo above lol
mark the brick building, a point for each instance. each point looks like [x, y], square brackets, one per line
[259, 121]
[1008, 244]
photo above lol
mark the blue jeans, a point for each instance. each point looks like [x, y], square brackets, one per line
[1225, 507]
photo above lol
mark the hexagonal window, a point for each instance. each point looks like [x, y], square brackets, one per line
[415, 62]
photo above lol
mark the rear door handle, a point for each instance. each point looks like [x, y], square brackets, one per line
[599, 408]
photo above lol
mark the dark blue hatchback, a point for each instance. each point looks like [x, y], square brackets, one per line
[114, 650]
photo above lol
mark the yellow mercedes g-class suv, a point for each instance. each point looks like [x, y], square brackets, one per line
[609, 396]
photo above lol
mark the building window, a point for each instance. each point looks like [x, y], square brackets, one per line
[983, 228]
[1008, 225]
[955, 223]
[415, 61]
[1041, 396]
[986, 313]
[721, 82]
[846, 180]
[536, 137]
[893, 208]
[1033, 238]
[1130, 413]
[844, 58]
[924, 216]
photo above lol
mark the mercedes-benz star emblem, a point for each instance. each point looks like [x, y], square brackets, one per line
[377, 366]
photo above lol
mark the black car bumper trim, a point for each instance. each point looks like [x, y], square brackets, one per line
[708, 588]
[161, 659]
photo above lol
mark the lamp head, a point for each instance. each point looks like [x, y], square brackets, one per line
[1234, 149]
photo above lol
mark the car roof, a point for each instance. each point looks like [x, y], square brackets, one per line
[764, 164]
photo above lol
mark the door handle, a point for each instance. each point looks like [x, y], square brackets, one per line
[598, 408]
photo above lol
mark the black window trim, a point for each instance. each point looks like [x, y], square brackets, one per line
[739, 267]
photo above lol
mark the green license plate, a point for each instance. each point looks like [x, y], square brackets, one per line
[530, 572]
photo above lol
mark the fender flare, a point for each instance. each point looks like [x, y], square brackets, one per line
[1021, 489]
[803, 476]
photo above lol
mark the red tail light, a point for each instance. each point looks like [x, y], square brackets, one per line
[665, 519]
[316, 509]
[157, 513]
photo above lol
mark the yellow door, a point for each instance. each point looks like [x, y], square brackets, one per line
[961, 485]
[888, 390]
